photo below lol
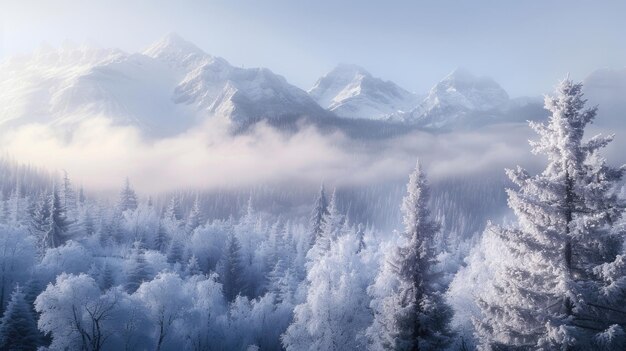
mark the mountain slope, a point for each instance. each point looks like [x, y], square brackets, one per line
[165, 90]
[351, 92]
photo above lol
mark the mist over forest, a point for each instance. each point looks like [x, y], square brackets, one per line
[166, 198]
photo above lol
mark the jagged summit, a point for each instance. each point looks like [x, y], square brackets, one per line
[173, 48]
[473, 92]
[460, 98]
[352, 92]
[167, 89]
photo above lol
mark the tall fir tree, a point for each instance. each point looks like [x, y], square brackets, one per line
[331, 226]
[194, 219]
[563, 283]
[334, 313]
[138, 271]
[410, 312]
[175, 252]
[68, 197]
[40, 222]
[57, 222]
[161, 240]
[319, 211]
[128, 197]
[231, 269]
[174, 210]
[18, 327]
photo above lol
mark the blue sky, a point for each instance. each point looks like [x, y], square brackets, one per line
[524, 45]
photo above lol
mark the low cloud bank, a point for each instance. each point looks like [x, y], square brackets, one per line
[99, 155]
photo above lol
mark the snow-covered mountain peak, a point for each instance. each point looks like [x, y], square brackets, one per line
[463, 89]
[474, 92]
[347, 72]
[460, 75]
[351, 91]
[243, 94]
[458, 99]
[335, 82]
[173, 49]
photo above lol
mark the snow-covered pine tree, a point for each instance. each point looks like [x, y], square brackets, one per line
[40, 221]
[333, 220]
[194, 220]
[320, 209]
[410, 312]
[231, 269]
[335, 312]
[57, 221]
[138, 269]
[175, 252]
[128, 197]
[68, 197]
[161, 241]
[331, 227]
[18, 328]
[561, 286]
[275, 276]
[174, 209]
[273, 246]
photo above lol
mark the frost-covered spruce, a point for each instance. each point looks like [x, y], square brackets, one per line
[18, 328]
[331, 226]
[334, 313]
[128, 197]
[316, 221]
[194, 219]
[138, 269]
[230, 269]
[562, 284]
[57, 222]
[40, 221]
[410, 312]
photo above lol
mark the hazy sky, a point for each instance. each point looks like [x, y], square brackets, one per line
[525, 45]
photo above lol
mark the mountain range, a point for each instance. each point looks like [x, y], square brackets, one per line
[173, 85]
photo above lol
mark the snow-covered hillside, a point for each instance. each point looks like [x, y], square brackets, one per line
[164, 90]
[352, 92]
